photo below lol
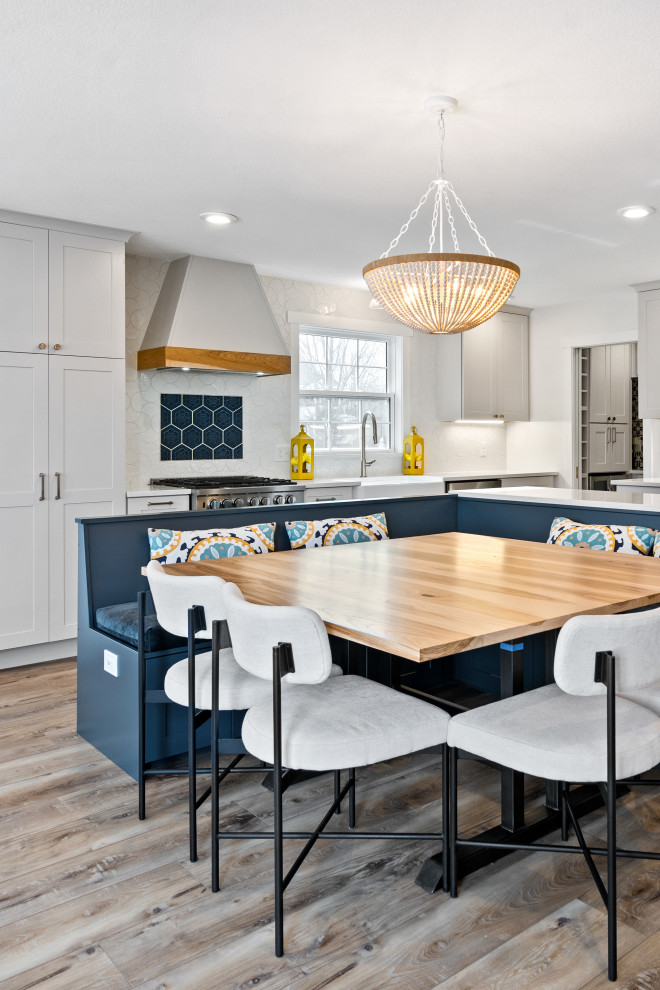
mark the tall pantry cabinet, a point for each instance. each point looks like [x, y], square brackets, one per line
[62, 375]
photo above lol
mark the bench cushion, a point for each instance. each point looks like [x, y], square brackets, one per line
[121, 621]
[598, 536]
[305, 534]
[173, 546]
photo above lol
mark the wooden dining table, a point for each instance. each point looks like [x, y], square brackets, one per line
[427, 597]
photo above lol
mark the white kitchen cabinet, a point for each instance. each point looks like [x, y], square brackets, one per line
[61, 308]
[63, 458]
[23, 507]
[23, 288]
[484, 372]
[648, 351]
[609, 448]
[150, 504]
[610, 383]
[86, 295]
[332, 493]
[86, 468]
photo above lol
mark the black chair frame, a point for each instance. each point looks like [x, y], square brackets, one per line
[604, 674]
[283, 663]
[196, 623]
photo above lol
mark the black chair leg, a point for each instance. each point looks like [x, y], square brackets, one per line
[215, 852]
[351, 799]
[445, 829]
[278, 849]
[192, 740]
[453, 823]
[337, 774]
[563, 792]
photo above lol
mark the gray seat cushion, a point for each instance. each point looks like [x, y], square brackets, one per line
[559, 736]
[344, 722]
[238, 688]
[121, 621]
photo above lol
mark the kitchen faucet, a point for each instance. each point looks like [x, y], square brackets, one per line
[364, 463]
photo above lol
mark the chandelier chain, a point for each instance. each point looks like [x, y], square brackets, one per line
[410, 219]
[450, 217]
[434, 222]
[471, 223]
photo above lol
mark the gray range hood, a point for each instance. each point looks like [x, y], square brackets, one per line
[213, 315]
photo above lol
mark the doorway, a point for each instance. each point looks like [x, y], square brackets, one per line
[607, 428]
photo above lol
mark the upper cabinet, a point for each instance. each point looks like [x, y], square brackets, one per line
[86, 295]
[610, 383]
[23, 288]
[61, 292]
[648, 350]
[484, 372]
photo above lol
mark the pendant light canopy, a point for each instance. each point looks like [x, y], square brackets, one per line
[441, 292]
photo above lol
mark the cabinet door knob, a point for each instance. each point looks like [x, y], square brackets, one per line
[57, 347]
[42, 347]
[614, 419]
[608, 419]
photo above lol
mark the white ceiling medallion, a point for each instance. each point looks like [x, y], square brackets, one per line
[441, 292]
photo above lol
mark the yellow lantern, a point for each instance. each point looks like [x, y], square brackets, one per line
[413, 453]
[302, 457]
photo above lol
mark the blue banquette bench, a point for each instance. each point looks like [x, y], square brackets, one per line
[113, 550]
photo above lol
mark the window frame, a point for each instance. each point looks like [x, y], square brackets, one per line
[397, 333]
[357, 394]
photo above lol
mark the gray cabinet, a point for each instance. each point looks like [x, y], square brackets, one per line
[609, 383]
[609, 448]
[484, 372]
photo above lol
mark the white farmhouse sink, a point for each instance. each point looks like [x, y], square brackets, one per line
[391, 486]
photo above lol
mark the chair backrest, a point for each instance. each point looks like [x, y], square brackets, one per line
[633, 638]
[256, 629]
[174, 595]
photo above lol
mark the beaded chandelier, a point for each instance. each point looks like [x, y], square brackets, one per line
[441, 292]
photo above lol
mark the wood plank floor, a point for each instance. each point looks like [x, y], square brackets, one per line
[91, 897]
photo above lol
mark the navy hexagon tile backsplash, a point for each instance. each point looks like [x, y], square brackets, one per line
[201, 427]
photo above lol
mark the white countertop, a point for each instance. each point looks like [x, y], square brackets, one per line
[636, 482]
[634, 501]
[408, 479]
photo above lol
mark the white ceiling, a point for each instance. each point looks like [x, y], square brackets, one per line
[306, 119]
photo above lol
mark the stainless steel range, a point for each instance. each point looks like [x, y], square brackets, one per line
[233, 491]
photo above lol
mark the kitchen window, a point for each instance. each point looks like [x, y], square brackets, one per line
[342, 376]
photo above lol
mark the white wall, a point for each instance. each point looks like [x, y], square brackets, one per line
[267, 401]
[546, 441]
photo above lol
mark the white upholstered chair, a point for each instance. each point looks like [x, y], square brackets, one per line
[582, 729]
[188, 607]
[314, 722]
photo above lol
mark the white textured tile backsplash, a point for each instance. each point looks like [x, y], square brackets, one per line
[267, 401]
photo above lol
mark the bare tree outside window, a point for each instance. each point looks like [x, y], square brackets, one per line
[342, 376]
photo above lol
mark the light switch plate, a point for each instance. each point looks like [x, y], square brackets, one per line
[110, 663]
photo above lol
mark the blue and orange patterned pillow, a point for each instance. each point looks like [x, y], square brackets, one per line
[173, 546]
[597, 536]
[305, 534]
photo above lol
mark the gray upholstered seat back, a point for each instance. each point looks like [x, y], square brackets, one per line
[174, 595]
[633, 638]
[256, 629]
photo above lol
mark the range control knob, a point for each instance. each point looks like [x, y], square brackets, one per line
[264, 500]
[278, 500]
[237, 502]
[227, 503]
[212, 503]
[253, 500]
[290, 499]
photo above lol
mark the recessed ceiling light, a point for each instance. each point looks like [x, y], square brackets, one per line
[635, 212]
[219, 218]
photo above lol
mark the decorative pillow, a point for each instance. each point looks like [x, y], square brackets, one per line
[598, 536]
[333, 532]
[172, 546]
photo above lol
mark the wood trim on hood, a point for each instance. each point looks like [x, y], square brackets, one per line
[207, 360]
